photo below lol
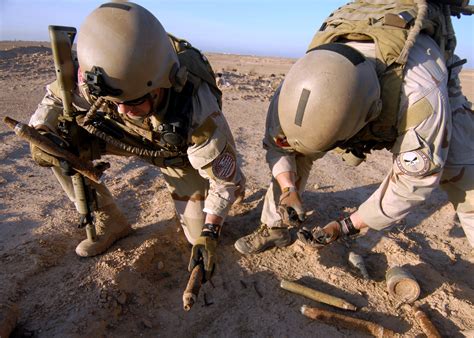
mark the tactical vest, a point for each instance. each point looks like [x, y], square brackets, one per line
[198, 66]
[388, 24]
[170, 131]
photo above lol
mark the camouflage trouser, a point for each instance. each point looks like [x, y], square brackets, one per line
[270, 215]
[458, 182]
[188, 191]
[458, 173]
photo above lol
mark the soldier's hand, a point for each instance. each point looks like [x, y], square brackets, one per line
[290, 207]
[204, 250]
[320, 237]
[43, 158]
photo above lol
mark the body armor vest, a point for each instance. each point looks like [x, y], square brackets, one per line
[167, 132]
[387, 24]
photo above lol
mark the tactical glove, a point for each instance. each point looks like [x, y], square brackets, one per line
[290, 207]
[320, 237]
[43, 158]
[204, 250]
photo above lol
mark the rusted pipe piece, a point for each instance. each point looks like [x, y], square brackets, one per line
[316, 295]
[31, 135]
[426, 324]
[192, 289]
[347, 322]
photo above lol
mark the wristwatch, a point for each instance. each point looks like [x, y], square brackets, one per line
[211, 230]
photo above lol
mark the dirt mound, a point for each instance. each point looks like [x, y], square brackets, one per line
[25, 63]
[19, 51]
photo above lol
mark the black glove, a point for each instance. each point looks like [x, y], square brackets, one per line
[204, 250]
[320, 237]
[290, 207]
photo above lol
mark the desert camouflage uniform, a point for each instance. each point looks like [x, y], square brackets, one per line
[210, 183]
[440, 149]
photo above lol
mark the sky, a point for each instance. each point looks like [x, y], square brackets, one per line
[256, 27]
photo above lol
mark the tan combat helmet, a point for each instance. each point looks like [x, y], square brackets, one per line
[327, 97]
[124, 52]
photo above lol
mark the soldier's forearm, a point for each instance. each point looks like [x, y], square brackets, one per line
[357, 221]
[286, 179]
[214, 219]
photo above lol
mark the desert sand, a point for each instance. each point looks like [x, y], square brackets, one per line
[135, 288]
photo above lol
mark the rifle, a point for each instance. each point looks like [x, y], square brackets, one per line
[61, 43]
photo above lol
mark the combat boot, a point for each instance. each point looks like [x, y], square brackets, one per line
[262, 239]
[111, 225]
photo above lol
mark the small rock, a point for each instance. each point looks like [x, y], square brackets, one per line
[161, 265]
[122, 298]
[147, 323]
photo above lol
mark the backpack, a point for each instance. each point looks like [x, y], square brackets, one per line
[197, 64]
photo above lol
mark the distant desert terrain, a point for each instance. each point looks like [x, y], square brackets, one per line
[135, 288]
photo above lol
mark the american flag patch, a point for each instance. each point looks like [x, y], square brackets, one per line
[223, 166]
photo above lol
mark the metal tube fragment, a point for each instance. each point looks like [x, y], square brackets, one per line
[316, 295]
[191, 292]
[426, 324]
[347, 322]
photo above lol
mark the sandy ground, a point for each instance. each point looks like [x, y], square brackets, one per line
[135, 288]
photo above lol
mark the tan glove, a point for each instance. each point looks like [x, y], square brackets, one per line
[290, 207]
[320, 237]
[43, 158]
[204, 250]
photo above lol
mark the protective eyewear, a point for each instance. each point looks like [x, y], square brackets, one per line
[136, 102]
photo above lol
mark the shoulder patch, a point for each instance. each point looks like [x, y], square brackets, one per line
[223, 167]
[413, 163]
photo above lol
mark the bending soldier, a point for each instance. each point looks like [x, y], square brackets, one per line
[371, 79]
[157, 94]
